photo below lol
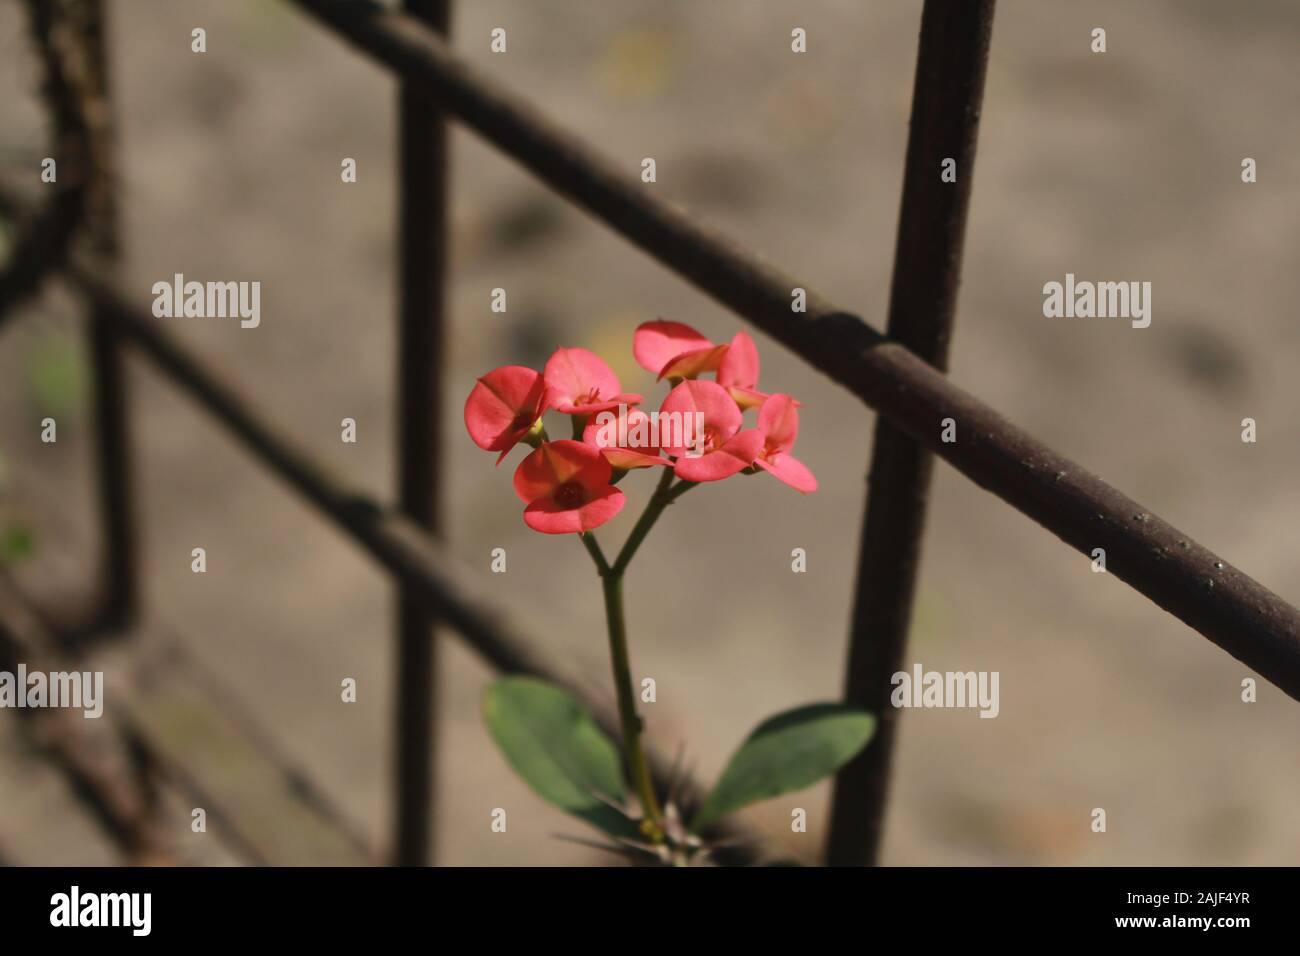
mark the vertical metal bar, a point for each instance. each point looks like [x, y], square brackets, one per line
[423, 235]
[119, 559]
[946, 99]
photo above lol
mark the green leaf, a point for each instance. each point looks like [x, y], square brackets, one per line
[787, 752]
[557, 748]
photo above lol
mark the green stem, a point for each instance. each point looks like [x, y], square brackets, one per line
[661, 499]
[593, 548]
[611, 580]
[612, 585]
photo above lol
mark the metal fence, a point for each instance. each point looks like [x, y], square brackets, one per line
[899, 374]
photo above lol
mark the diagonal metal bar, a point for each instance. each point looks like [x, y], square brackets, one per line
[949, 87]
[1235, 612]
[422, 230]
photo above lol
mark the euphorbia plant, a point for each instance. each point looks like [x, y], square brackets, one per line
[568, 486]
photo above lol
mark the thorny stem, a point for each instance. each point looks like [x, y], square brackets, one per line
[611, 579]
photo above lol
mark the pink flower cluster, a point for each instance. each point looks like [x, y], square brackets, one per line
[568, 485]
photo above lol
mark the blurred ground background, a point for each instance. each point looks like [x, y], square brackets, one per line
[1117, 166]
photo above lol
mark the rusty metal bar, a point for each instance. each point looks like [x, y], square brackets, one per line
[119, 561]
[422, 230]
[1189, 581]
[949, 87]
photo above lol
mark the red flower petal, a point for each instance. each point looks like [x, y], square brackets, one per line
[598, 426]
[550, 517]
[734, 456]
[694, 364]
[655, 344]
[627, 459]
[577, 377]
[556, 463]
[791, 470]
[503, 405]
[747, 398]
[740, 365]
[628, 398]
[779, 420]
[721, 416]
[629, 454]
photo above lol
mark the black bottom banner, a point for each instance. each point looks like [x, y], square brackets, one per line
[337, 905]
